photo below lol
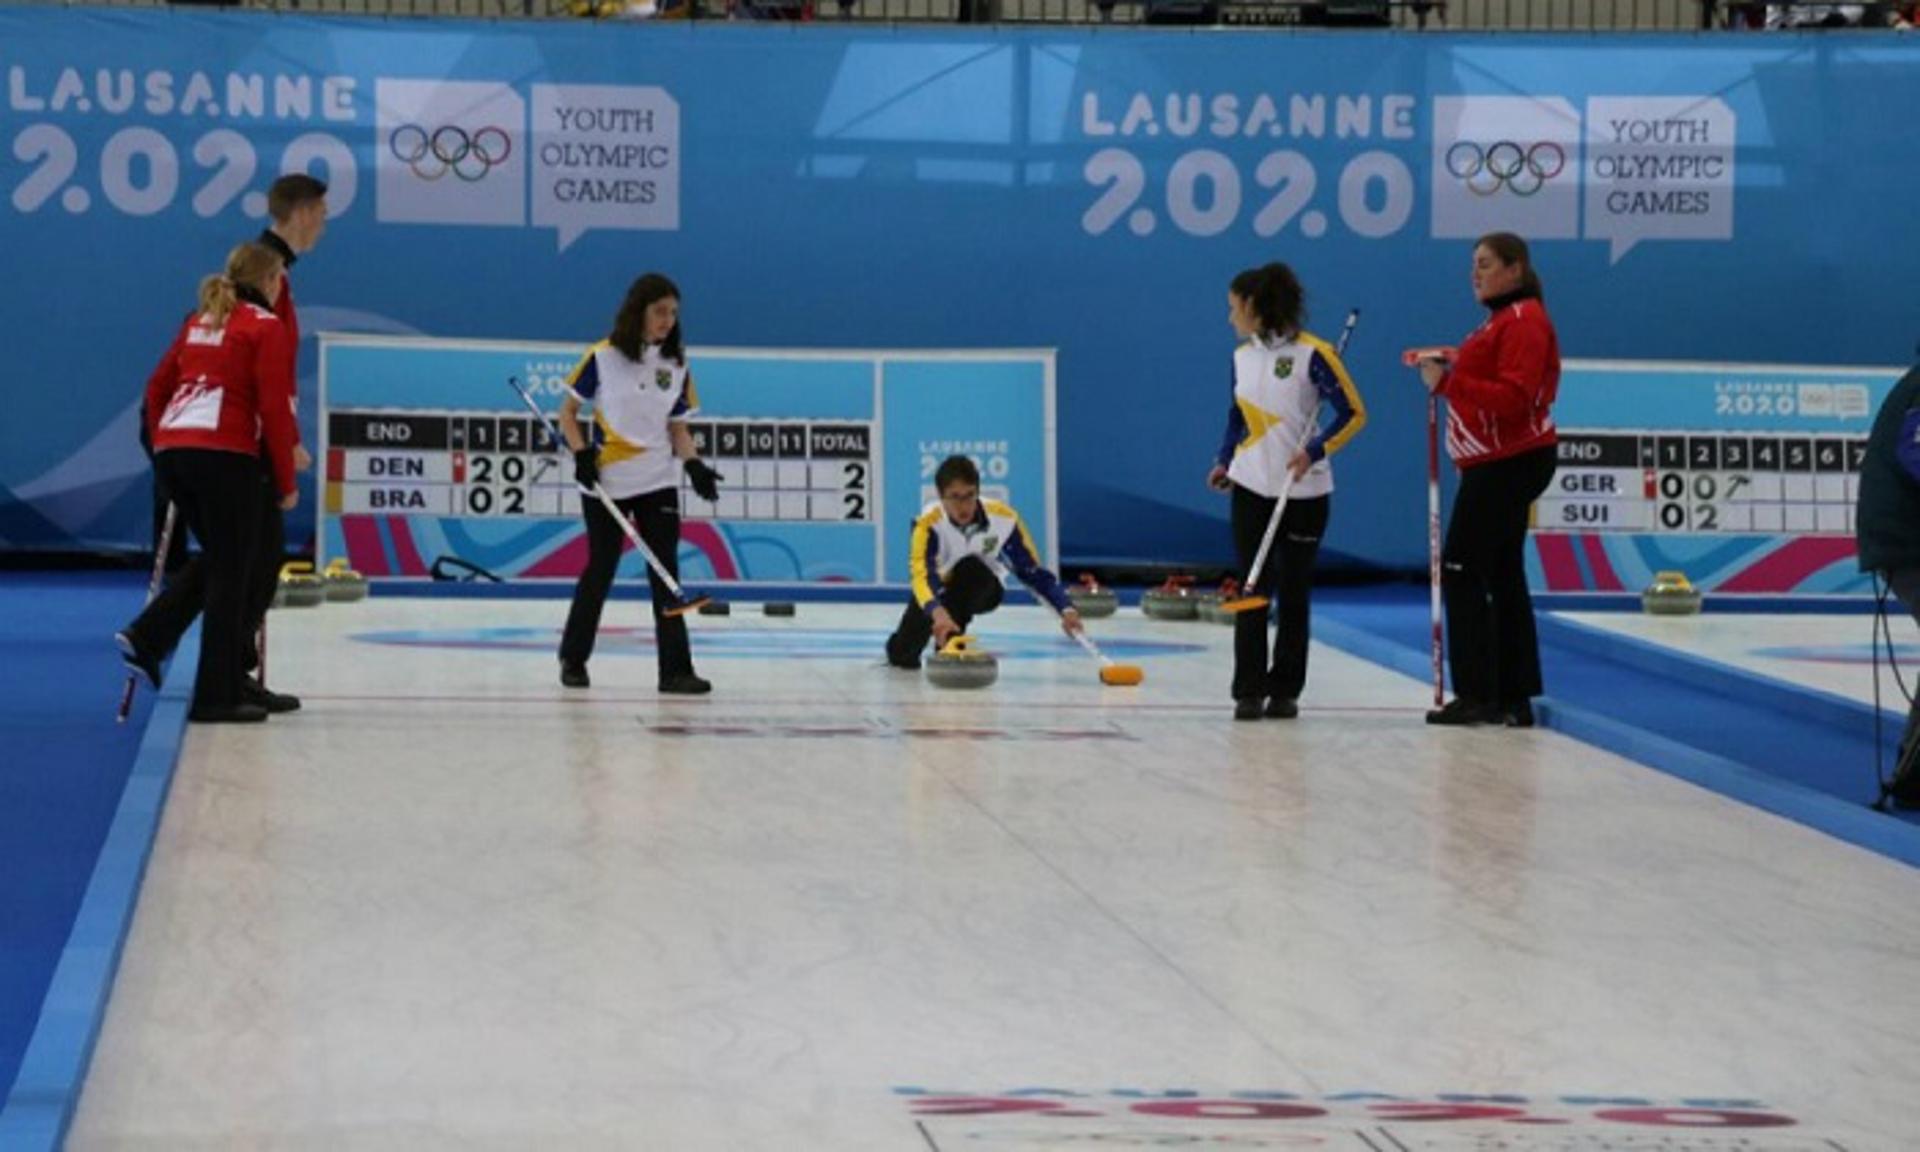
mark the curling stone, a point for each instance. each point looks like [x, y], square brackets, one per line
[716, 608]
[1092, 599]
[959, 664]
[300, 586]
[1671, 594]
[778, 608]
[1173, 600]
[1211, 606]
[343, 584]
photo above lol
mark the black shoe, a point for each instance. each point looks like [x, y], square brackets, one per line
[1519, 714]
[276, 703]
[228, 714]
[899, 658]
[1248, 709]
[684, 684]
[1282, 708]
[136, 659]
[1461, 712]
[1904, 789]
[573, 675]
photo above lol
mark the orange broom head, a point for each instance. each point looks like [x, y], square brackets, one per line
[1244, 604]
[1122, 675]
[686, 606]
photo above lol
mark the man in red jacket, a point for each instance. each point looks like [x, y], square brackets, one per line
[297, 211]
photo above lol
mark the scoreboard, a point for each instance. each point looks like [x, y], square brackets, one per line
[1744, 477]
[428, 453]
[463, 464]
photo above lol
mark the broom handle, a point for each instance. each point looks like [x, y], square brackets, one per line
[1266, 538]
[1092, 649]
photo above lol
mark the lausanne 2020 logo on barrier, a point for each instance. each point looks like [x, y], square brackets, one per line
[1637, 168]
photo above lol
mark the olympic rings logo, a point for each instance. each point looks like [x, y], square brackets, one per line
[450, 148]
[1485, 169]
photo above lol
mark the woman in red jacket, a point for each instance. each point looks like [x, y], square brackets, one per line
[221, 398]
[1499, 389]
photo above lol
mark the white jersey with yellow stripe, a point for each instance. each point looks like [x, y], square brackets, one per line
[997, 536]
[1279, 387]
[633, 402]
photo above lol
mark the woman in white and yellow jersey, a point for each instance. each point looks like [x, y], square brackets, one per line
[1283, 378]
[637, 382]
[958, 557]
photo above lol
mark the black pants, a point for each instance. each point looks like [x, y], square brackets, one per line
[657, 515]
[1905, 583]
[1492, 645]
[1287, 578]
[970, 588]
[176, 550]
[159, 628]
[218, 494]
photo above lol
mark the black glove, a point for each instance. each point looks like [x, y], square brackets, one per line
[705, 481]
[586, 468]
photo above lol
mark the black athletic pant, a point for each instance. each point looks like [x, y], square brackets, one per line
[657, 515]
[1287, 579]
[217, 494]
[1905, 583]
[1492, 646]
[970, 588]
[177, 549]
[160, 627]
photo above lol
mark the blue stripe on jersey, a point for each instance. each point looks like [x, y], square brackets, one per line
[1236, 423]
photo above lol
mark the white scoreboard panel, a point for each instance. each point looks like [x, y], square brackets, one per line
[1654, 482]
[474, 464]
[1743, 476]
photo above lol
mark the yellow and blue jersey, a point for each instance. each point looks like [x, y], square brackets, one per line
[633, 402]
[997, 536]
[1280, 385]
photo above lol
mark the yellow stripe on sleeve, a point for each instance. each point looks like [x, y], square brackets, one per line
[1352, 393]
[917, 546]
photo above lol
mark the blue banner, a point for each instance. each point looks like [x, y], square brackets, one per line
[1691, 198]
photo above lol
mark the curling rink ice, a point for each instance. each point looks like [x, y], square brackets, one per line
[829, 908]
[1827, 653]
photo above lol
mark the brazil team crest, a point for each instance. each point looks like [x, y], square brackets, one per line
[663, 379]
[1283, 367]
